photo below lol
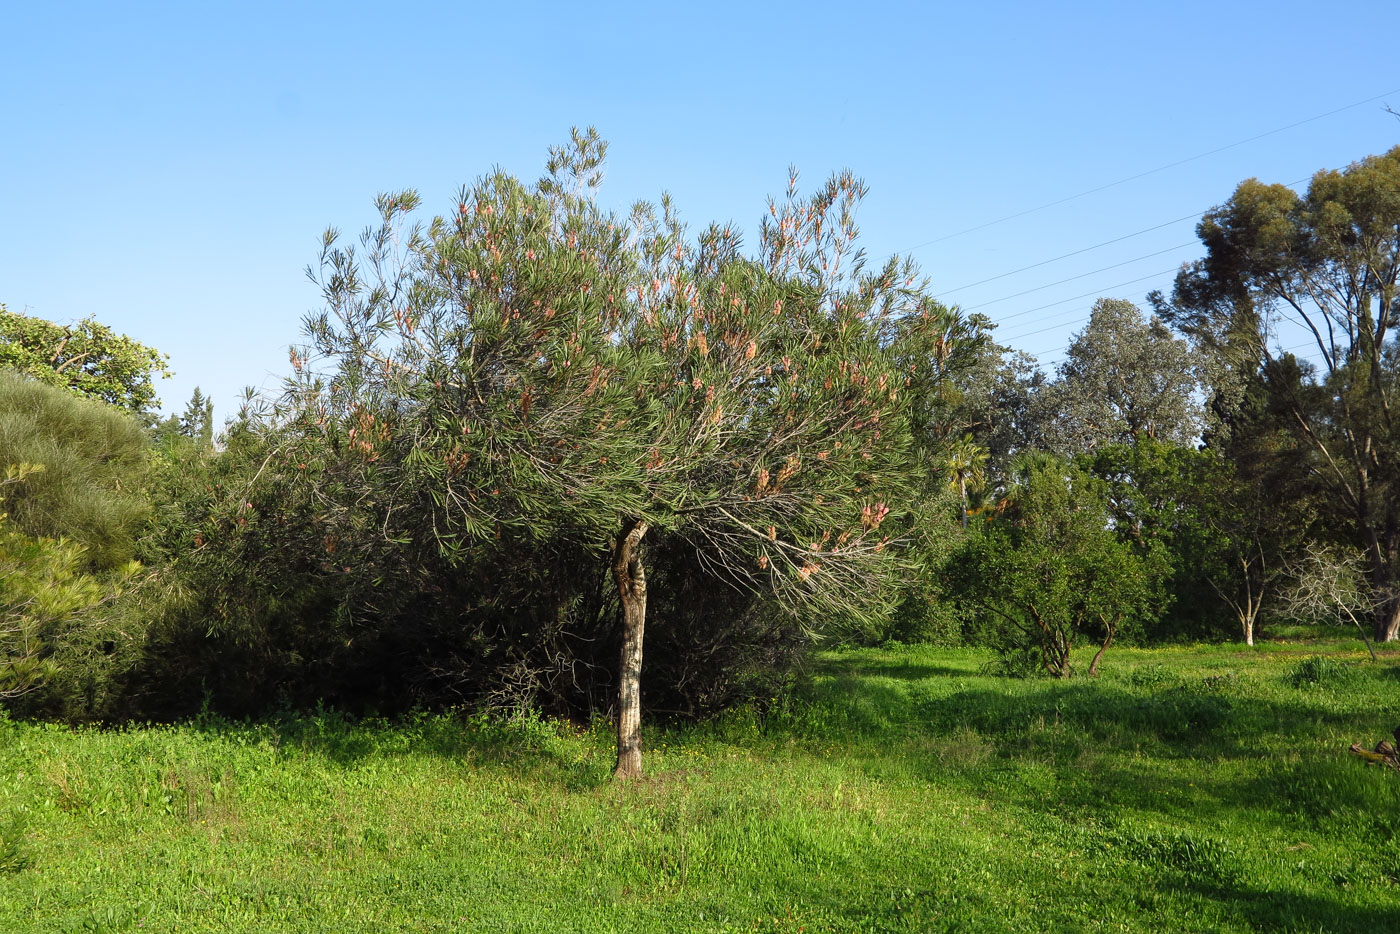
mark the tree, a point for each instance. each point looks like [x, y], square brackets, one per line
[1048, 569]
[1328, 261]
[1328, 585]
[532, 368]
[88, 358]
[197, 422]
[965, 463]
[1166, 502]
[1262, 505]
[1123, 378]
[996, 400]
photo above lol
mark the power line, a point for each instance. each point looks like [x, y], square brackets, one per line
[1087, 249]
[1160, 168]
[1073, 298]
[1083, 315]
[1039, 288]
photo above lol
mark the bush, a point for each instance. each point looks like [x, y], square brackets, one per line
[1319, 670]
[91, 488]
[73, 488]
[286, 592]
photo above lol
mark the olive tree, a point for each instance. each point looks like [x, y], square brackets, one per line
[531, 367]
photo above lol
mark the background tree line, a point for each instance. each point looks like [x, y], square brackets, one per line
[533, 450]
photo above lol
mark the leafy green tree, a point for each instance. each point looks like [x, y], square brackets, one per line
[1330, 261]
[531, 368]
[1124, 377]
[1047, 569]
[88, 358]
[1263, 507]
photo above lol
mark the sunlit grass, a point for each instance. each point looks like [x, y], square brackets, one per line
[1196, 788]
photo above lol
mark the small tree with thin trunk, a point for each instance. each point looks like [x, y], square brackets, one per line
[531, 366]
[1329, 586]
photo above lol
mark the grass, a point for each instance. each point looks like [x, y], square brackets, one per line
[1199, 788]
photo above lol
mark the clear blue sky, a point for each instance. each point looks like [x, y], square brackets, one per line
[169, 168]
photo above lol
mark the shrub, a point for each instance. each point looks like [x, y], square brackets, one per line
[91, 488]
[1319, 670]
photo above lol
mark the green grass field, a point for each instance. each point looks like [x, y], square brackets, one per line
[1195, 789]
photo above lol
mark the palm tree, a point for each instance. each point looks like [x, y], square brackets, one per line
[966, 462]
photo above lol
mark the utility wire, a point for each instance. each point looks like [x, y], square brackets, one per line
[1075, 298]
[1160, 168]
[1039, 288]
[1084, 314]
[1087, 249]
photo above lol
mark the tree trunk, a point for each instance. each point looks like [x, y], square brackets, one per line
[1094, 665]
[1388, 621]
[1247, 623]
[632, 594]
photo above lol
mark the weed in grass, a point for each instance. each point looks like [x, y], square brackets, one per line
[1200, 859]
[1152, 676]
[1319, 670]
[14, 846]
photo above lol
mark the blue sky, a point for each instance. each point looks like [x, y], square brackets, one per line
[169, 168]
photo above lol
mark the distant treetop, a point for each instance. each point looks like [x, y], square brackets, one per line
[88, 358]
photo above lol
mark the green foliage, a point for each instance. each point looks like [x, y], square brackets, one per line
[491, 398]
[94, 459]
[1000, 402]
[1123, 378]
[1048, 569]
[1328, 259]
[1170, 503]
[72, 491]
[1319, 670]
[14, 849]
[531, 366]
[87, 358]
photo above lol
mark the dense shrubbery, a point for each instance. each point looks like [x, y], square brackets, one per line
[530, 419]
[73, 503]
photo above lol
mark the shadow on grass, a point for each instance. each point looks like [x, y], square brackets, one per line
[528, 746]
[1266, 910]
[895, 668]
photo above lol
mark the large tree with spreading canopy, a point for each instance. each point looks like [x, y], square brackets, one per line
[532, 367]
[1326, 262]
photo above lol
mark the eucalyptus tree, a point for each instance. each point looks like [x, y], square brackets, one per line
[532, 367]
[1124, 377]
[1326, 262]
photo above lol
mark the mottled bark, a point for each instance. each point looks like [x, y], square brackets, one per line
[631, 579]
